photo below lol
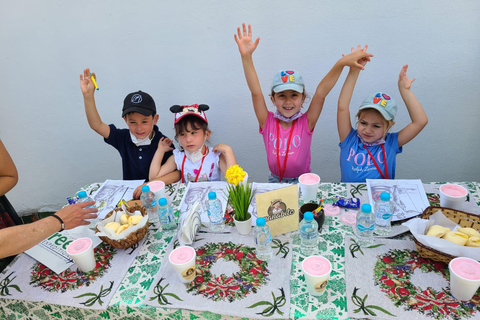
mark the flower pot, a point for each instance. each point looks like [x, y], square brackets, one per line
[320, 218]
[243, 227]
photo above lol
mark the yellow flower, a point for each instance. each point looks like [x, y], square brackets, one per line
[235, 174]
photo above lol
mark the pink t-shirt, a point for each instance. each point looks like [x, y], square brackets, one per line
[299, 157]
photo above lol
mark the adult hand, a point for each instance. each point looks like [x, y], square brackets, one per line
[76, 214]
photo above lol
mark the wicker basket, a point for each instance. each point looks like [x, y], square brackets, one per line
[132, 238]
[463, 219]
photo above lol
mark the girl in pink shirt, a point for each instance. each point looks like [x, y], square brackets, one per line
[287, 133]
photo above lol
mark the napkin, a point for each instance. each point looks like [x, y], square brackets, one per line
[189, 224]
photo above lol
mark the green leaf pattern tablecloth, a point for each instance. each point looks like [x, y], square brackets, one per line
[127, 301]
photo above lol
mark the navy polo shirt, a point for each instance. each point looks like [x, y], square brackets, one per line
[135, 160]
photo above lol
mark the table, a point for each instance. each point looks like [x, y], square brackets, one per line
[127, 301]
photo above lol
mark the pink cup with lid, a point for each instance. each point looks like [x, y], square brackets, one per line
[158, 188]
[452, 196]
[308, 184]
[317, 272]
[182, 260]
[464, 277]
[81, 251]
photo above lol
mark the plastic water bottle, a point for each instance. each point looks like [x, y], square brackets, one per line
[215, 212]
[83, 197]
[308, 234]
[165, 214]
[149, 202]
[365, 225]
[263, 240]
[383, 214]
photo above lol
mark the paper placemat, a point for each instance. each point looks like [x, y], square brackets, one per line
[27, 279]
[394, 282]
[229, 279]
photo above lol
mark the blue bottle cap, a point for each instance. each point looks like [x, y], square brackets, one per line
[260, 222]
[385, 196]
[82, 194]
[308, 216]
[212, 195]
[366, 208]
[162, 202]
[145, 188]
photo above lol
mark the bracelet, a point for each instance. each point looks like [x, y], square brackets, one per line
[61, 221]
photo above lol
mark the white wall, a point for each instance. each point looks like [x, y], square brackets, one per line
[183, 52]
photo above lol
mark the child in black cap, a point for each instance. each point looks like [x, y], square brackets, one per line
[138, 143]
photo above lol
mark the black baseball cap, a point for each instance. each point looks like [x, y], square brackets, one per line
[140, 102]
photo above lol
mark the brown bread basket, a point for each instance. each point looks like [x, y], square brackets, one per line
[132, 238]
[463, 219]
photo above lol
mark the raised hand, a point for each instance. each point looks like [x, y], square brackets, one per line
[403, 81]
[357, 58]
[86, 83]
[165, 144]
[244, 40]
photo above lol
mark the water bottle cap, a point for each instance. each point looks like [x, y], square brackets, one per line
[212, 195]
[385, 196]
[260, 222]
[308, 216]
[82, 194]
[145, 188]
[366, 208]
[162, 202]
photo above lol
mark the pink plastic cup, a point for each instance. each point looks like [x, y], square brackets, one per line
[308, 183]
[158, 188]
[317, 272]
[464, 277]
[81, 251]
[452, 196]
[183, 261]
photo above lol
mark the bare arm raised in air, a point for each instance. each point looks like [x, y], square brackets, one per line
[344, 123]
[415, 109]
[355, 61]
[88, 90]
[246, 48]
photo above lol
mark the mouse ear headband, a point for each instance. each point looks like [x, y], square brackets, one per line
[194, 109]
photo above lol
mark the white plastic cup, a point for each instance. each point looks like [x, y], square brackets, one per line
[464, 277]
[158, 188]
[183, 261]
[81, 251]
[308, 183]
[452, 196]
[317, 272]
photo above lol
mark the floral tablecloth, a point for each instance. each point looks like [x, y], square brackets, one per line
[127, 303]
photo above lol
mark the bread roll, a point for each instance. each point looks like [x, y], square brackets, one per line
[113, 226]
[124, 218]
[456, 237]
[437, 231]
[473, 242]
[469, 232]
[134, 220]
[122, 228]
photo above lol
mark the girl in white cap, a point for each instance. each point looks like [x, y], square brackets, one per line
[369, 152]
[287, 133]
[195, 160]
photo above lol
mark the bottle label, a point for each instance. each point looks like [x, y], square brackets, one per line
[362, 228]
